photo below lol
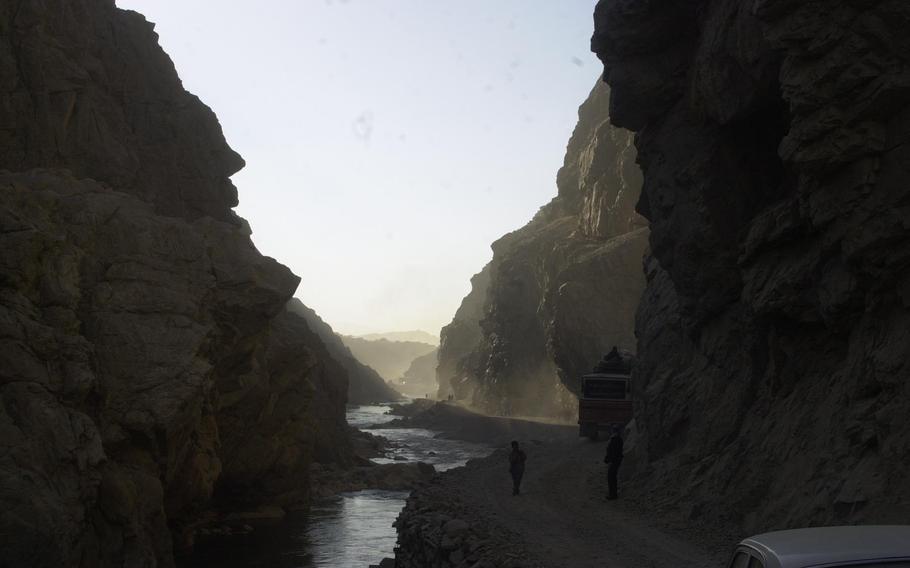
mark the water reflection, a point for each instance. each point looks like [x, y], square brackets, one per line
[349, 530]
[356, 529]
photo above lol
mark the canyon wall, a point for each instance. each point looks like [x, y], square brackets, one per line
[559, 292]
[148, 368]
[773, 366]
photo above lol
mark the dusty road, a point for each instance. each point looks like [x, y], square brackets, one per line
[562, 518]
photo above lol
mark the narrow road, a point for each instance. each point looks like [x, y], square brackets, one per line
[564, 518]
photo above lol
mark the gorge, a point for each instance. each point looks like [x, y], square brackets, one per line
[732, 209]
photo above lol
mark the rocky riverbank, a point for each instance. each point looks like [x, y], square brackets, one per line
[456, 422]
[438, 530]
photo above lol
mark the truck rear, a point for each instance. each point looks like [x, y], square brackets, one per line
[605, 400]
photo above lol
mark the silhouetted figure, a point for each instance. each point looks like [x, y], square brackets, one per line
[613, 459]
[612, 362]
[516, 467]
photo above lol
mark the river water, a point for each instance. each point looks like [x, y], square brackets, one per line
[352, 530]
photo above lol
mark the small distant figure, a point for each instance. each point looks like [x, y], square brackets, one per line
[613, 459]
[612, 362]
[516, 467]
[612, 355]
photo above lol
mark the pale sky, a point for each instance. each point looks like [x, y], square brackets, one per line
[388, 142]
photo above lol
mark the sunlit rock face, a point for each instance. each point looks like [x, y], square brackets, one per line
[773, 362]
[147, 362]
[559, 292]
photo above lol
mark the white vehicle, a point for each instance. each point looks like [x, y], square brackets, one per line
[882, 546]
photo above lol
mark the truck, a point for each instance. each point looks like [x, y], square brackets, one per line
[605, 400]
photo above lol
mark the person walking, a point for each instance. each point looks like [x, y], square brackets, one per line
[516, 466]
[613, 459]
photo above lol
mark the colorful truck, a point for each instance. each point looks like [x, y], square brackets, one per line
[605, 399]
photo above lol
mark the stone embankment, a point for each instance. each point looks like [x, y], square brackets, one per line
[437, 531]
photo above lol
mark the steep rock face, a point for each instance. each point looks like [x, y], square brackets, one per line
[365, 384]
[772, 335]
[420, 378]
[147, 365]
[458, 340]
[559, 292]
[86, 87]
[284, 413]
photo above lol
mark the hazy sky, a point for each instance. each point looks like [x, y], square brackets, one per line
[388, 142]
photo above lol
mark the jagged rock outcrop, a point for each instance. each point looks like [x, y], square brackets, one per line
[148, 370]
[773, 364]
[559, 292]
[86, 88]
[364, 383]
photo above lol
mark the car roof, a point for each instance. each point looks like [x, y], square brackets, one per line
[800, 548]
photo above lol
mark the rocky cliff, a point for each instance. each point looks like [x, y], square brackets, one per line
[559, 292]
[457, 341]
[364, 383]
[420, 378]
[773, 376]
[148, 369]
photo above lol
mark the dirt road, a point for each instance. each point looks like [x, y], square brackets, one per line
[562, 518]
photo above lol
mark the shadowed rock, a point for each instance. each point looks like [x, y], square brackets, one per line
[772, 363]
[148, 369]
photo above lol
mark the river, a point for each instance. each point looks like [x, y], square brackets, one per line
[352, 530]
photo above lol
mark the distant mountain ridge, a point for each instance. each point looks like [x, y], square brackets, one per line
[391, 359]
[365, 385]
[416, 335]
